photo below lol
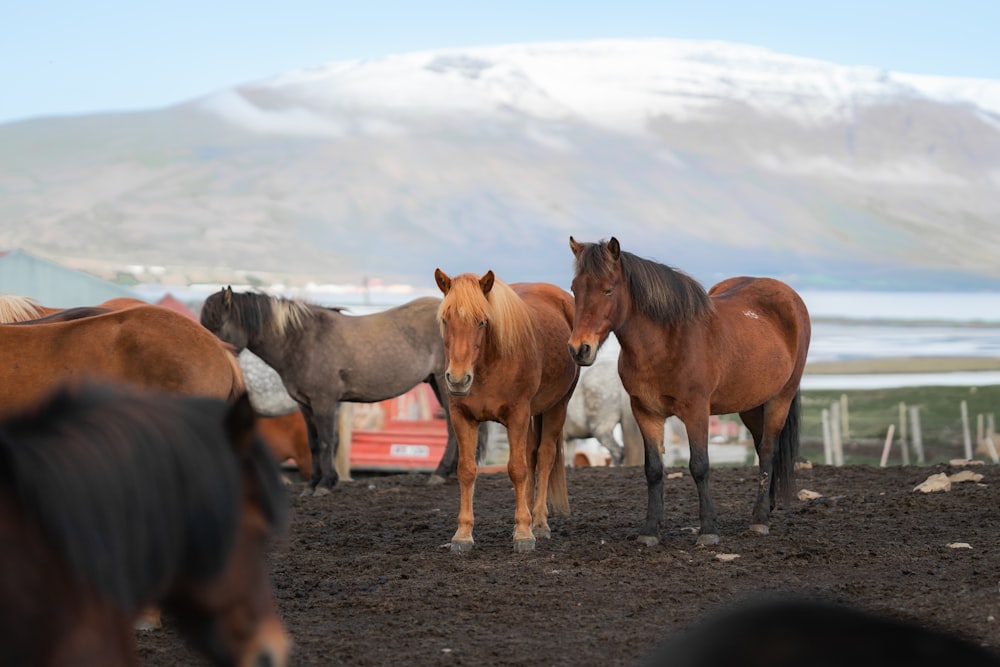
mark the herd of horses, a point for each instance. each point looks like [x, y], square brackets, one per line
[493, 352]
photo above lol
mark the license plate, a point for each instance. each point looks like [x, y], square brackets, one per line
[410, 451]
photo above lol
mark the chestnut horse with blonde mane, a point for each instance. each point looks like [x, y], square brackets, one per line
[740, 347]
[141, 345]
[507, 362]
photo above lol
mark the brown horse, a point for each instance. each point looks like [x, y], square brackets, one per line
[287, 436]
[507, 362]
[741, 347]
[146, 346]
[112, 499]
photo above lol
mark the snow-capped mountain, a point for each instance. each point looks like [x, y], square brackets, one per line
[713, 157]
[616, 85]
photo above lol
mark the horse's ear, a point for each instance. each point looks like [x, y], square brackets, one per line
[574, 246]
[241, 424]
[227, 296]
[486, 282]
[442, 280]
[614, 249]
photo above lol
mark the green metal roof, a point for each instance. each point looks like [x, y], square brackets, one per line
[54, 285]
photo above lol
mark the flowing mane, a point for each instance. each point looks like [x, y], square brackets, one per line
[256, 312]
[14, 308]
[662, 293]
[64, 464]
[510, 328]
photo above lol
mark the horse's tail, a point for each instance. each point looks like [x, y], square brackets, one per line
[558, 492]
[788, 450]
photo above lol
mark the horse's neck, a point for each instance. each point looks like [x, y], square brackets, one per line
[638, 332]
[275, 350]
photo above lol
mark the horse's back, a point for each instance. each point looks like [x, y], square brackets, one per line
[145, 346]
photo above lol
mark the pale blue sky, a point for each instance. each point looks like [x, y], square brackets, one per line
[60, 57]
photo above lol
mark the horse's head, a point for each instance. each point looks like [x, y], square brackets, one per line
[599, 293]
[231, 615]
[219, 315]
[464, 313]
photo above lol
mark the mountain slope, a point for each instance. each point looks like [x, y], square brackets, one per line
[716, 158]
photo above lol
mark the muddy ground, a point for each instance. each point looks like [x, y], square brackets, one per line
[365, 577]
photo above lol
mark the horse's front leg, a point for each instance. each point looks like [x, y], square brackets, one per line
[465, 433]
[328, 439]
[651, 427]
[314, 446]
[696, 422]
[522, 478]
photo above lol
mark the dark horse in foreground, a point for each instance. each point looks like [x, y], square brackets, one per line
[793, 631]
[112, 500]
[324, 357]
[741, 347]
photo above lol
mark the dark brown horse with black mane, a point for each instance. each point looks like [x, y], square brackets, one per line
[112, 499]
[325, 356]
[738, 348]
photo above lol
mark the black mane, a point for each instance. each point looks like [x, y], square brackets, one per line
[133, 488]
[253, 312]
[660, 292]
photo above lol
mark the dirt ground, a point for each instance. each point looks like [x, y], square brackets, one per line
[364, 576]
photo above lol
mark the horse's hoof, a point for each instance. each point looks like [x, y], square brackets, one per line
[306, 492]
[322, 491]
[525, 545]
[708, 540]
[760, 528]
[435, 480]
[461, 546]
[542, 531]
[648, 540]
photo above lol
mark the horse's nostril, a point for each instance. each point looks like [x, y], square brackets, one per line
[265, 659]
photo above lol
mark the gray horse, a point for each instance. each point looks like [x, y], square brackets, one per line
[600, 403]
[264, 386]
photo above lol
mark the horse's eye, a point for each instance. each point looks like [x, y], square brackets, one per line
[609, 291]
[482, 323]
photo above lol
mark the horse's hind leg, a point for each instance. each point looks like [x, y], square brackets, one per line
[764, 424]
[548, 432]
[605, 435]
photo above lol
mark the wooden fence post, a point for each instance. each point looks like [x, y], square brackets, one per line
[845, 418]
[345, 426]
[838, 443]
[887, 445]
[966, 436]
[990, 431]
[904, 445]
[827, 438]
[918, 438]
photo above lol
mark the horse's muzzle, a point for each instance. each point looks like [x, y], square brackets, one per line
[585, 355]
[460, 387]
